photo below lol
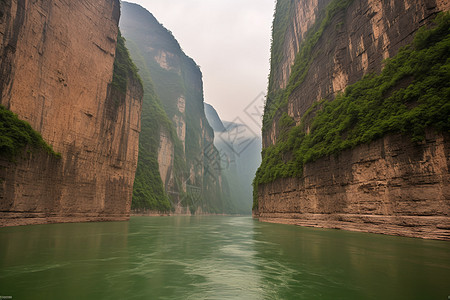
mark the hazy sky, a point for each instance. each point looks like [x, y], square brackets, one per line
[230, 40]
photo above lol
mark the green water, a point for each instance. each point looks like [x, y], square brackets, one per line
[216, 258]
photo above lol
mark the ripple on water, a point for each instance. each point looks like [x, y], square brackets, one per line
[216, 258]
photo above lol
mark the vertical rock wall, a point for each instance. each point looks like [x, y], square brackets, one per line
[390, 186]
[353, 45]
[56, 68]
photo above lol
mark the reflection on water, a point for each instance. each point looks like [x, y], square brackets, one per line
[216, 258]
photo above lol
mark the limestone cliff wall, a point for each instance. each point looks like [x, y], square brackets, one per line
[354, 44]
[56, 68]
[390, 186]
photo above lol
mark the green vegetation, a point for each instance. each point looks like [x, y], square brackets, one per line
[372, 107]
[182, 77]
[123, 66]
[170, 85]
[148, 192]
[277, 100]
[16, 135]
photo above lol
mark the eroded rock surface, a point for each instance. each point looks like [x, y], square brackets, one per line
[56, 68]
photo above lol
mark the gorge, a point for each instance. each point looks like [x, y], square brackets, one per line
[345, 163]
[239, 149]
[171, 192]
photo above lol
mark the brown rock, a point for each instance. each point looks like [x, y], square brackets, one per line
[353, 45]
[56, 65]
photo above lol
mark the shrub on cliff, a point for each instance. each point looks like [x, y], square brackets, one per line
[16, 135]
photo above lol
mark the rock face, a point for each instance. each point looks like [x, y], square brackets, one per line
[192, 177]
[354, 44]
[391, 185]
[56, 72]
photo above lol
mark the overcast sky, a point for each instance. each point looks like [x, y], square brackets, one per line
[230, 40]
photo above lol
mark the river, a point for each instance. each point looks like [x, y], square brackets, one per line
[216, 257]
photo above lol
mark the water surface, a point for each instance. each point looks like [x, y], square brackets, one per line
[216, 258]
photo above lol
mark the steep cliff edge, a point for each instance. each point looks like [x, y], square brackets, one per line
[63, 71]
[376, 157]
[187, 161]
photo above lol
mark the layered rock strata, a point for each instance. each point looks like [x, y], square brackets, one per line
[188, 162]
[392, 185]
[56, 68]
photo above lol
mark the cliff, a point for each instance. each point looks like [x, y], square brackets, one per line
[355, 133]
[187, 161]
[64, 72]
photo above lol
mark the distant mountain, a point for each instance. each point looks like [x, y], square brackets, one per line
[177, 142]
[240, 151]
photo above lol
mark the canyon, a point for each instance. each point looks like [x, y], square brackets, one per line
[65, 70]
[391, 185]
[57, 62]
